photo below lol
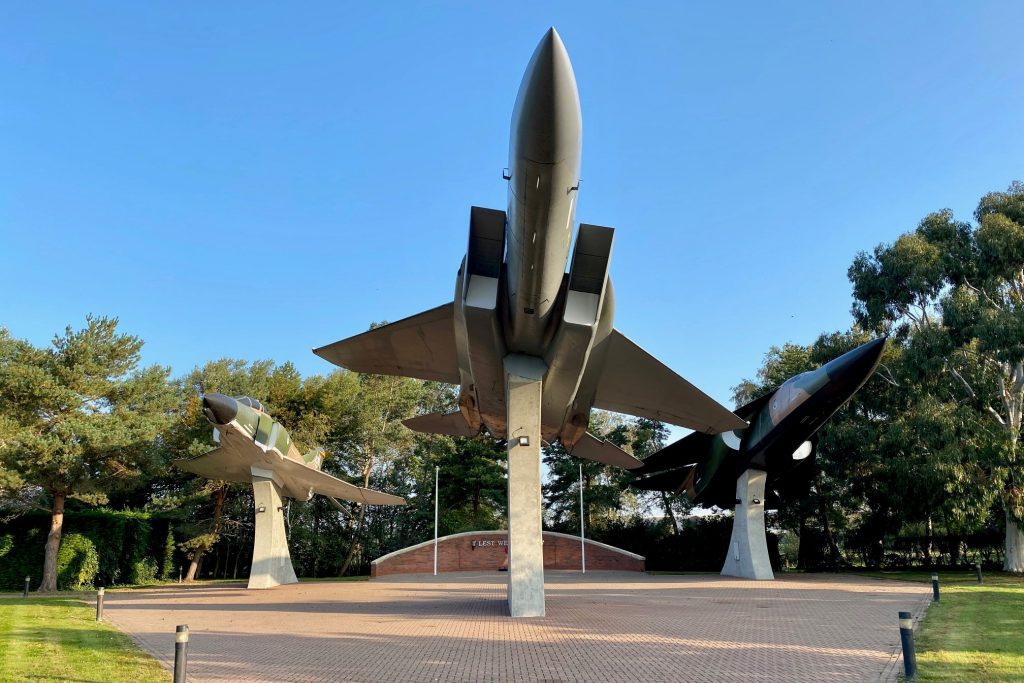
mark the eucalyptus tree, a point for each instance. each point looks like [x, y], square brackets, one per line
[80, 418]
[955, 291]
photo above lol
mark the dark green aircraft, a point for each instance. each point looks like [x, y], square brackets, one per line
[780, 438]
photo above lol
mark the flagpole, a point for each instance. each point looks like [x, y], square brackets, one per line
[437, 475]
[583, 545]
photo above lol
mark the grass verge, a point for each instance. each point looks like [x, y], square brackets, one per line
[975, 632]
[51, 640]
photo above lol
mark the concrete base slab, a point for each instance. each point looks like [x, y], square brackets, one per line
[602, 626]
[271, 561]
[523, 394]
[748, 548]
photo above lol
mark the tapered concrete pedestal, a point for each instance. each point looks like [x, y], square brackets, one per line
[524, 375]
[271, 561]
[748, 548]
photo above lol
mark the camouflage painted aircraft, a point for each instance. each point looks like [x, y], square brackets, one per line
[779, 440]
[516, 304]
[249, 438]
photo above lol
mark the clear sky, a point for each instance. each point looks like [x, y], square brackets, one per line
[256, 179]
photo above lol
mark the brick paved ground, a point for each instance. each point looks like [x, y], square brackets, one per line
[605, 626]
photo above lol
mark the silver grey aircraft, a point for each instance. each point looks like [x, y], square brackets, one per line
[514, 296]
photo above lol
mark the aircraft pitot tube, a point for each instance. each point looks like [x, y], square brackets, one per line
[779, 440]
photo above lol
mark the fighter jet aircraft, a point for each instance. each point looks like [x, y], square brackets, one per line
[514, 296]
[249, 438]
[779, 440]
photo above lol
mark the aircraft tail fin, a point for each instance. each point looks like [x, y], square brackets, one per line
[592, 448]
[449, 424]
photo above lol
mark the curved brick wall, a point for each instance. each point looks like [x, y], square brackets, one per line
[485, 551]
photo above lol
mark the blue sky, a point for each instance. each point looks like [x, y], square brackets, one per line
[253, 179]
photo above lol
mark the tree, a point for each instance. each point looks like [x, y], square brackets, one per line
[960, 289]
[370, 437]
[81, 418]
[602, 485]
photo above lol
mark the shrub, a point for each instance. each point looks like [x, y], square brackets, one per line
[77, 563]
[167, 567]
[144, 571]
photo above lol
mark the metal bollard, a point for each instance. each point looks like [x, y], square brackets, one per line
[180, 653]
[935, 586]
[179, 574]
[977, 567]
[907, 639]
[99, 604]
[28, 580]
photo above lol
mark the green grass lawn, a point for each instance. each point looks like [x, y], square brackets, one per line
[974, 633]
[58, 640]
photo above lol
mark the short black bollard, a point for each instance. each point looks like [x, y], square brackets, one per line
[907, 638]
[28, 580]
[99, 604]
[180, 653]
[978, 568]
[935, 586]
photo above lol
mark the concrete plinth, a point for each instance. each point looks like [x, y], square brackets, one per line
[523, 381]
[748, 548]
[271, 562]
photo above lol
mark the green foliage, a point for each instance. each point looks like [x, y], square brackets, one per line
[77, 563]
[21, 555]
[124, 543]
[144, 571]
[167, 562]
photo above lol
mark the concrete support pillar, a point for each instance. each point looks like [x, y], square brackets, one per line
[271, 561]
[523, 381]
[748, 548]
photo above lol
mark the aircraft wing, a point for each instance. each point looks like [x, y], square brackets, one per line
[673, 481]
[219, 464]
[224, 465]
[636, 383]
[326, 485]
[420, 346]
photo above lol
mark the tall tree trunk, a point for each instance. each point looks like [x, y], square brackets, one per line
[671, 515]
[49, 582]
[833, 547]
[930, 533]
[803, 548]
[367, 468]
[218, 511]
[1014, 546]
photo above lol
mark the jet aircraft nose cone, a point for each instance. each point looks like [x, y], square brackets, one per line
[219, 409]
[546, 123]
[856, 366]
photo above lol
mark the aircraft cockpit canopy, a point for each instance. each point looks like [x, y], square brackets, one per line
[251, 402]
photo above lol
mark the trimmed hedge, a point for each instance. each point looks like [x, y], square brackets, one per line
[77, 563]
[129, 547]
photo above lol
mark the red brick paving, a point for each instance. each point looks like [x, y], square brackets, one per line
[604, 626]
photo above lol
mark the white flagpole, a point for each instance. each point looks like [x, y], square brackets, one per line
[437, 474]
[583, 545]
